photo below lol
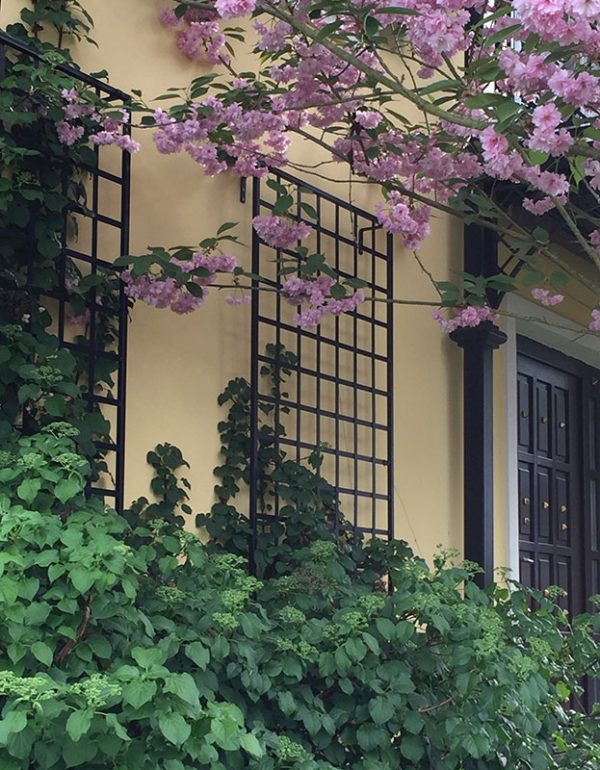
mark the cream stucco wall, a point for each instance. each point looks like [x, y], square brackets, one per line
[177, 365]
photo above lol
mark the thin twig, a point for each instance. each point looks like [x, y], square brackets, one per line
[433, 707]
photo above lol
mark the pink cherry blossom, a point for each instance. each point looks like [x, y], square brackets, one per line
[539, 207]
[68, 134]
[401, 217]
[238, 300]
[230, 9]
[160, 291]
[469, 316]
[280, 232]
[312, 297]
[546, 297]
[594, 324]
[169, 18]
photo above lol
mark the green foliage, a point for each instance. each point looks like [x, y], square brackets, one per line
[126, 643]
[42, 189]
[67, 19]
[306, 499]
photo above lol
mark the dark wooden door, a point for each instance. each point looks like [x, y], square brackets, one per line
[551, 520]
[559, 479]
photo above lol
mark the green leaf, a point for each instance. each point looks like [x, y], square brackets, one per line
[536, 158]
[315, 262]
[309, 210]
[77, 754]
[371, 26]
[356, 283]
[82, 579]
[138, 692]
[532, 278]
[559, 280]
[194, 289]
[413, 722]
[286, 702]
[355, 649]
[198, 653]
[502, 34]
[174, 727]
[28, 489]
[404, 631]
[28, 391]
[183, 686]
[386, 628]
[439, 85]
[9, 590]
[250, 743]
[220, 648]
[147, 657]
[79, 723]
[399, 11]
[173, 764]
[371, 643]
[68, 488]
[283, 204]
[412, 748]
[100, 647]
[338, 291]
[370, 737]
[42, 652]
[226, 226]
[277, 186]
[381, 709]
[55, 405]
[14, 722]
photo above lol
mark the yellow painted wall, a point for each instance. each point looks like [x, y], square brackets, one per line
[177, 365]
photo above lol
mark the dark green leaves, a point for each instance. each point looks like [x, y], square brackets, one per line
[381, 709]
[79, 723]
[139, 692]
[174, 727]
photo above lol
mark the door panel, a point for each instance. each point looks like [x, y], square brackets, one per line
[559, 478]
[550, 478]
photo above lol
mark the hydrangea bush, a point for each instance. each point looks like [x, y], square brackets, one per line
[127, 643]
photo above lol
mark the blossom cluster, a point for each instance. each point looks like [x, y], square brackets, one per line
[400, 216]
[231, 9]
[544, 104]
[258, 138]
[594, 324]
[100, 129]
[546, 297]
[162, 291]
[280, 232]
[198, 34]
[312, 297]
[468, 316]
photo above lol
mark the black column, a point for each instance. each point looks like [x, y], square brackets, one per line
[478, 344]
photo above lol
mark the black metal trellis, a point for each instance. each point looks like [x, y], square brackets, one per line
[99, 233]
[339, 396]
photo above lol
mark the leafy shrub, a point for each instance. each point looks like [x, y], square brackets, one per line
[127, 644]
